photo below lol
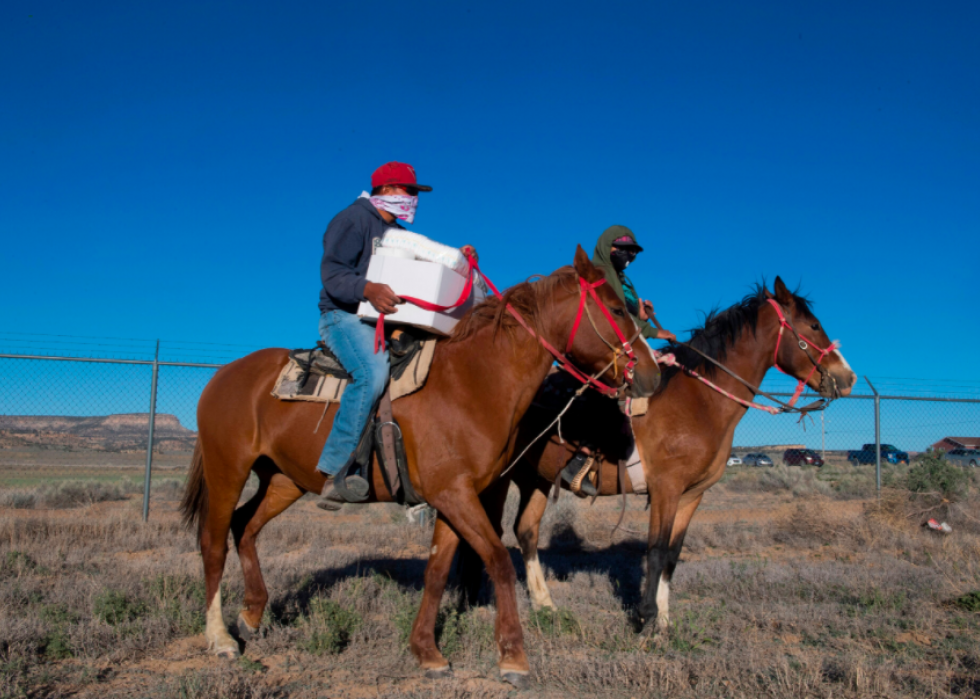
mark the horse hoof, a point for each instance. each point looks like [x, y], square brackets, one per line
[439, 673]
[245, 632]
[229, 653]
[520, 680]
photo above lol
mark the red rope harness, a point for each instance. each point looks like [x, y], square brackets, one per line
[804, 344]
[562, 360]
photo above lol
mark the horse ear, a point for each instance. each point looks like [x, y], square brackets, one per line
[583, 265]
[783, 295]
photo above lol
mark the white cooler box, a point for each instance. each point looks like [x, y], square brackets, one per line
[428, 281]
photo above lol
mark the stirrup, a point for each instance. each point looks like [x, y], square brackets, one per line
[578, 474]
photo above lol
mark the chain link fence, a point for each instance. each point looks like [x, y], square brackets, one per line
[77, 428]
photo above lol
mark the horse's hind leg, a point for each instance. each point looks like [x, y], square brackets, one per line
[214, 550]
[276, 492]
[527, 526]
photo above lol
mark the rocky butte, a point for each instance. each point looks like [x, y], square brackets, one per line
[125, 432]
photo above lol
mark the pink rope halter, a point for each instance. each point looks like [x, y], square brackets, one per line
[805, 344]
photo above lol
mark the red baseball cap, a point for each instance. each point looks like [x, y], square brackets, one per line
[398, 174]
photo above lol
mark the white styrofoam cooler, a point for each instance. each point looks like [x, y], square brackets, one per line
[428, 281]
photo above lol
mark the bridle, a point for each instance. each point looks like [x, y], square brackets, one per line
[805, 345]
[586, 290]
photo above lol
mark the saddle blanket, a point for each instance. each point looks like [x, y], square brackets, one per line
[317, 376]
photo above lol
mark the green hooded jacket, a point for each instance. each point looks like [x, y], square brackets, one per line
[619, 282]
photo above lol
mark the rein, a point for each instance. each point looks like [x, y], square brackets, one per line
[585, 289]
[790, 407]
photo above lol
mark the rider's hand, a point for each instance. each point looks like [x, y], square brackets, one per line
[470, 251]
[646, 310]
[381, 297]
[666, 335]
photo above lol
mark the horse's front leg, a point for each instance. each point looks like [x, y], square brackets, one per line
[681, 522]
[663, 509]
[423, 638]
[463, 510]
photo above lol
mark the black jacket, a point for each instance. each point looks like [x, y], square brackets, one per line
[347, 246]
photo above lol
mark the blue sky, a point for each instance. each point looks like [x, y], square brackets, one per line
[167, 169]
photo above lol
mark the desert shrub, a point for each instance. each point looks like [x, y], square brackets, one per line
[115, 608]
[328, 627]
[969, 602]
[18, 563]
[62, 496]
[933, 475]
[18, 500]
[213, 683]
[798, 481]
[406, 609]
[180, 600]
[555, 622]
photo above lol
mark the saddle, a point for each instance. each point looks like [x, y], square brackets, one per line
[317, 375]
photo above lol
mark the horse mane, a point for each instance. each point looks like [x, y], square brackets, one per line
[720, 330]
[528, 298]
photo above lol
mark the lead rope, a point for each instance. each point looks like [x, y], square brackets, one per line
[557, 419]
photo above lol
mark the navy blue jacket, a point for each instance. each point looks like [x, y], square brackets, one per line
[347, 246]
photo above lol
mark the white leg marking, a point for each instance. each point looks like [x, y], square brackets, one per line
[663, 600]
[220, 641]
[536, 586]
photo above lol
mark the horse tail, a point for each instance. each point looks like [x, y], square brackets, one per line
[194, 505]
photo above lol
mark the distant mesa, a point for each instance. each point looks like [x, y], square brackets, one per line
[124, 432]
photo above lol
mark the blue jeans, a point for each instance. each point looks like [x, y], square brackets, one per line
[352, 340]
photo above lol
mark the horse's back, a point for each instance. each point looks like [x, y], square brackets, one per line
[238, 386]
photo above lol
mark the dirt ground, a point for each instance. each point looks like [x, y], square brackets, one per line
[780, 592]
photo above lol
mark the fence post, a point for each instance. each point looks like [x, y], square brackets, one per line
[877, 436]
[149, 443]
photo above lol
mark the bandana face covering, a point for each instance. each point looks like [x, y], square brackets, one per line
[401, 206]
[621, 259]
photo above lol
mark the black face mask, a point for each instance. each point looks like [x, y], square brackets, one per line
[621, 259]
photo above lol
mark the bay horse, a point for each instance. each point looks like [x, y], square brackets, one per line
[684, 439]
[459, 431]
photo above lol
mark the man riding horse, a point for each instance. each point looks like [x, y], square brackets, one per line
[347, 246]
[614, 251]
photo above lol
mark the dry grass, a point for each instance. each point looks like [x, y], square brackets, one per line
[786, 589]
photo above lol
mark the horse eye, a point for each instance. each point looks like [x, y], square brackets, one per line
[618, 312]
[815, 326]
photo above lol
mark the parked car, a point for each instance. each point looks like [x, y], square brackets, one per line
[756, 459]
[866, 454]
[733, 461]
[802, 457]
[964, 457]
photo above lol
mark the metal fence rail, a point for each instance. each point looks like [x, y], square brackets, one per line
[131, 423]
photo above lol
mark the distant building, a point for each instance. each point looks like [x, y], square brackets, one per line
[950, 443]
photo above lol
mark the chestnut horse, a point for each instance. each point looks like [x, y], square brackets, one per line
[684, 439]
[459, 432]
